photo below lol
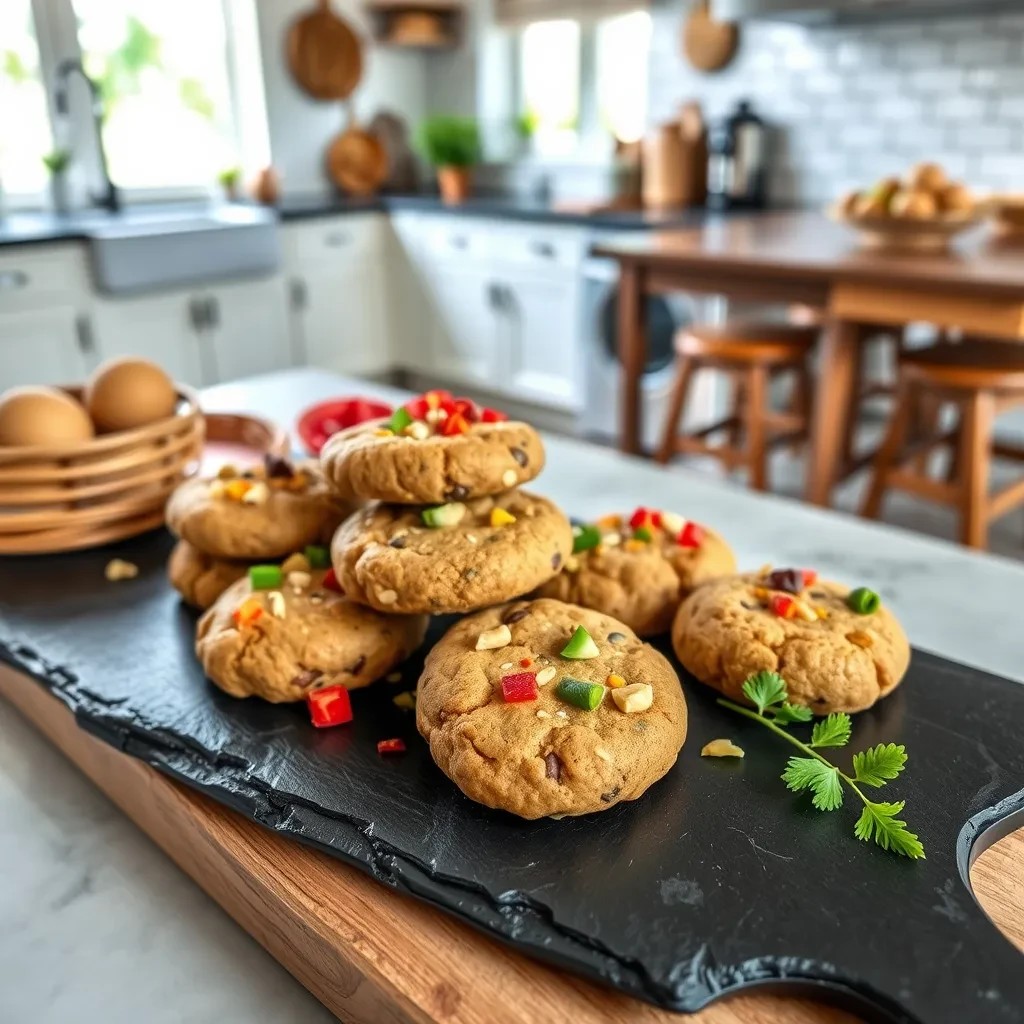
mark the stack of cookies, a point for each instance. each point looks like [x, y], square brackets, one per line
[446, 528]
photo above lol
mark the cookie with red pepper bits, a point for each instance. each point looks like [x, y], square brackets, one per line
[280, 634]
[434, 449]
[455, 557]
[267, 511]
[199, 578]
[543, 708]
[837, 649]
[638, 568]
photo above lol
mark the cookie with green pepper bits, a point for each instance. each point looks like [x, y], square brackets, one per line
[838, 649]
[604, 719]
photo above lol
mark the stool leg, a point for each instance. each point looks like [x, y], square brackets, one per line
[856, 398]
[676, 406]
[755, 427]
[888, 455]
[803, 397]
[975, 459]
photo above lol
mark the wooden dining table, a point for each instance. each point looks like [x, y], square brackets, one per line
[976, 287]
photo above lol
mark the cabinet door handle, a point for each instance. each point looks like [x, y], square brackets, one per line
[212, 313]
[545, 250]
[495, 297]
[299, 294]
[337, 239]
[196, 314]
[12, 280]
[84, 335]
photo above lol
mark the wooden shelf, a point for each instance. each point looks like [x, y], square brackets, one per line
[425, 25]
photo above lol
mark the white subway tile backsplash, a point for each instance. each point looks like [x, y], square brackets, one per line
[857, 102]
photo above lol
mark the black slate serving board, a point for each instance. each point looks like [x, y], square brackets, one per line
[718, 879]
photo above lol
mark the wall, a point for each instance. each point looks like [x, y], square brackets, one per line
[857, 102]
[301, 127]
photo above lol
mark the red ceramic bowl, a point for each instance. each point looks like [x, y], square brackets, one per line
[318, 422]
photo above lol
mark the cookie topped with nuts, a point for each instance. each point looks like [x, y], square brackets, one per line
[284, 631]
[455, 557]
[434, 449]
[267, 511]
[199, 578]
[838, 649]
[544, 708]
[639, 567]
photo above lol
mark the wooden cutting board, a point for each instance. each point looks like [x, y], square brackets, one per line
[375, 957]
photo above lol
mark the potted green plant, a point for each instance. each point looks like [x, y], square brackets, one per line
[230, 180]
[57, 163]
[452, 145]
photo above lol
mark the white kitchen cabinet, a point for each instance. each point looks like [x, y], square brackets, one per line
[161, 328]
[464, 339]
[246, 329]
[44, 346]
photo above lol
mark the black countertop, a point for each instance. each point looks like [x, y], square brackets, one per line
[33, 227]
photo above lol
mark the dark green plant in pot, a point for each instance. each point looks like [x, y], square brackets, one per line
[449, 141]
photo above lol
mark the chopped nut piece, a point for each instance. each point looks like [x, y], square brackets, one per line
[602, 753]
[118, 569]
[471, 537]
[405, 700]
[256, 495]
[545, 675]
[218, 488]
[721, 748]
[417, 430]
[861, 639]
[492, 639]
[611, 540]
[299, 580]
[672, 523]
[295, 563]
[509, 478]
[387, 596]
[393, 677]
[572, 564]
[543, 714]
[633, 698]
[804, 611]
[277, 605]
[562, 714]
[436, 415]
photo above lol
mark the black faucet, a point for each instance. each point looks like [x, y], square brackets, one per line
[109, 198]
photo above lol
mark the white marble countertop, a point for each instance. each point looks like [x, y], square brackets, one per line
[98, 926]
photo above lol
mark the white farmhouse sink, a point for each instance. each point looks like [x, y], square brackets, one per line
[153, 250]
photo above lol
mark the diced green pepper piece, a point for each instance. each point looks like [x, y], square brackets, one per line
[643, 533]
[444, 515]
[265, 577]
[584, 538]
[400, 419]
[317, 556]
[864, 601]
[580, 693]
[580, 646]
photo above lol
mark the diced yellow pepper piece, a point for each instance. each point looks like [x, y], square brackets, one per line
[238, 489]
[615, 681]
[499, 517]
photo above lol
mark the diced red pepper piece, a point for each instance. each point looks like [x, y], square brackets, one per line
[810, 577]
[391, 747]
[641, 517]
[467, 408]
[519, 687]
[691, 536]
[454, 425]
[492, 416]
[331, 582]
[329, 707]
[247, 612]
[656, 518]
[416, 408]
[783, 605]
[525, 662]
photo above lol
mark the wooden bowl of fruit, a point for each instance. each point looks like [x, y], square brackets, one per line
[920, 212]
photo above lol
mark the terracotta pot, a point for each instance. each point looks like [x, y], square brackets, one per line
[454, 183]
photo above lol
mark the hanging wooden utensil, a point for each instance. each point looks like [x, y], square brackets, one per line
[324, 54]
[709, 45]
[357, 161]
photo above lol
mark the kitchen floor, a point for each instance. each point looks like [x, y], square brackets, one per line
[1006, 535]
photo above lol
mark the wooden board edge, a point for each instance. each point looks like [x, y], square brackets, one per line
[378, 957]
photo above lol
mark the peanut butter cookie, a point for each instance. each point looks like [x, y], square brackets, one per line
[543, 708]
[639, 568]
[837, 649]
[450, 558]
[266, 512]
[291, 633]
[433, 449]
[199, 578]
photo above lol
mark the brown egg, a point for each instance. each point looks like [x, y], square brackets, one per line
[913, 205]
[926, 177]
[33, 416]
[956, 198]
[126, 393]
[848, 203]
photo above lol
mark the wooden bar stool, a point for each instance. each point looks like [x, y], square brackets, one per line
[983, 379]
[752, 354]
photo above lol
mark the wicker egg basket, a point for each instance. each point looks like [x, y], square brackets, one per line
[115, 486]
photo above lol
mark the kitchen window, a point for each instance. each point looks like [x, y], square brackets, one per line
[25, 136]
[583, 83]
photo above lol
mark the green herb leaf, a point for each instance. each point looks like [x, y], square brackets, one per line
[788, 713]
[765, 689]
[878, 765]
[833, 731]
[821, 779]
[879, 822]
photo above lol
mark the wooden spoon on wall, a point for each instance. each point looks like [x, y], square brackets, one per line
[324, 54]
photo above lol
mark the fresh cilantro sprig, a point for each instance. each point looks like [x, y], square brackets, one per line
[813, 772]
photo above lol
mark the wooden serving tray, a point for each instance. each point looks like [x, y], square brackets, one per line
[371, 955]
